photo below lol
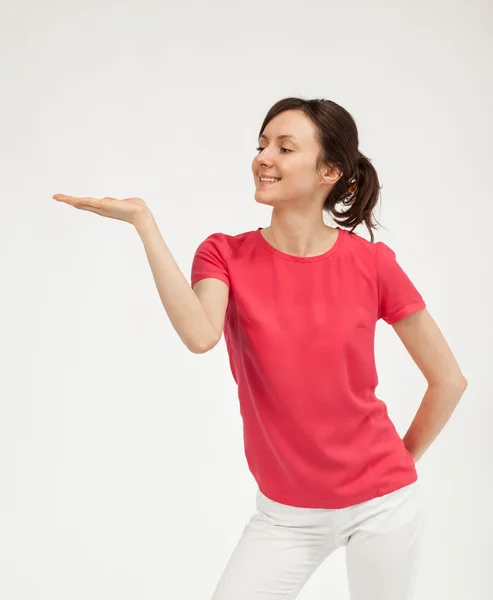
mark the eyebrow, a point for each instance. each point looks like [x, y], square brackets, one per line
[280, 137]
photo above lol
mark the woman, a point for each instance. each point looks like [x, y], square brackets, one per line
[298, 302]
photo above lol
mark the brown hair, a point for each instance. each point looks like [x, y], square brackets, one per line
[358, 188]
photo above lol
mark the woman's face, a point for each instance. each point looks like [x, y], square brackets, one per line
[292, 159]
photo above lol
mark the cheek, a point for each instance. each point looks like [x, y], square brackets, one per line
[298, 171]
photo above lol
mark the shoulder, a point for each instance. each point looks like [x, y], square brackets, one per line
[360, 251]
[375, 252]
[373, 260]
[225, 243]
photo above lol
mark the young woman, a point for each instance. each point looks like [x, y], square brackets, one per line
[298, 302]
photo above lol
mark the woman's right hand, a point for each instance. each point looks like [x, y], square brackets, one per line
[128, 209]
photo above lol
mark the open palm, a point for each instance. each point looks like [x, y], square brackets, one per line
[128, 209]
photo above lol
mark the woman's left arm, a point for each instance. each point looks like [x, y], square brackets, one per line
[428, 348]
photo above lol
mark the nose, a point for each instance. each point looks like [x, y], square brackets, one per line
[263, 158]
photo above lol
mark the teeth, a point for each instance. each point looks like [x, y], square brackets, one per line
[268, 179]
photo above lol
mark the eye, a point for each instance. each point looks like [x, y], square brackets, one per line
[286, 149]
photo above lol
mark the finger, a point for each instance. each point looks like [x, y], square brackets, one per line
[85, 203]
[63, 197]
[93, 209]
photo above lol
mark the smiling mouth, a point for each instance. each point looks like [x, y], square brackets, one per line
[268, 182]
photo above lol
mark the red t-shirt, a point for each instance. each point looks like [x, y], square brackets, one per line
[300, 337]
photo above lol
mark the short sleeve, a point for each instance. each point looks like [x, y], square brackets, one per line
[210, 259]
[397, 295]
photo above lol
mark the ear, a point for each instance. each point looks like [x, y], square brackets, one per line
[330, 174]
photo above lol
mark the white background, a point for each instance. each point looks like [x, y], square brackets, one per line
[121, 453]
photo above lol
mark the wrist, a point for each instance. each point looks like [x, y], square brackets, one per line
[142, 219]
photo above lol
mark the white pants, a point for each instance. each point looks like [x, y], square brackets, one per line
[282, 546]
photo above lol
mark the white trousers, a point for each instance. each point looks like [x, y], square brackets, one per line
[282, 546]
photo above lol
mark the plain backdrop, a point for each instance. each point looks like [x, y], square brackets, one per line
[122, 473]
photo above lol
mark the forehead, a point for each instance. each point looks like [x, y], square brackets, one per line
[289, 125]
[282, 136]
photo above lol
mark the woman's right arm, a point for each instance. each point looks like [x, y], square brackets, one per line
[196, 314]
[182, 305]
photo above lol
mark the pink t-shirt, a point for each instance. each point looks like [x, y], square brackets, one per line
[300, 337]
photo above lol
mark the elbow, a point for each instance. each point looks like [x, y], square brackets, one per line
[461, 386]
[206, 343]
[198, 349]
[458, 382]
[202, 347]
[461, 383]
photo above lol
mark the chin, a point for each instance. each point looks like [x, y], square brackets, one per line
[262, 201]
